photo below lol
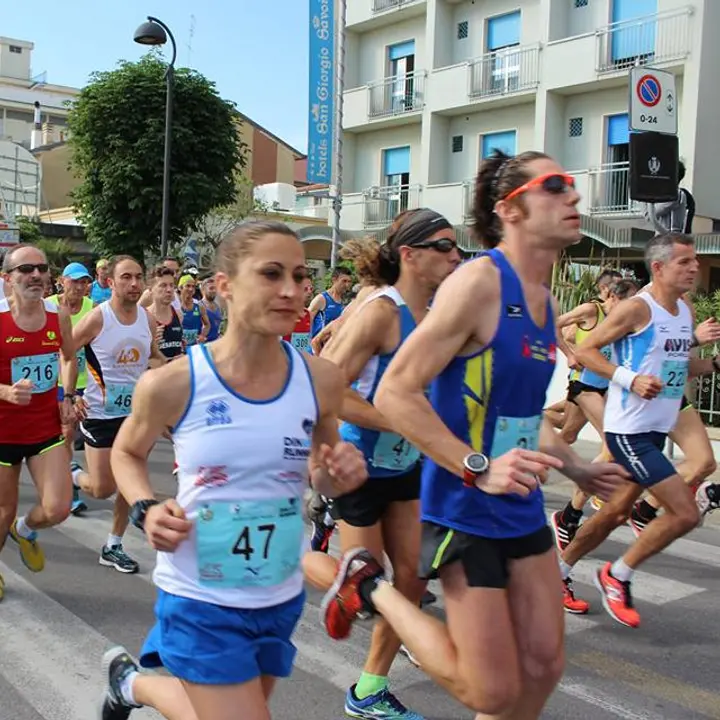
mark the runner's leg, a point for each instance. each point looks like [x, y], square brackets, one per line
[9, 493]
[51, 474]
[534, 593]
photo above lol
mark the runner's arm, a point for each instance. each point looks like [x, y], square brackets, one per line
[626, 318]
[158, 403]
[87, 329]
[68, 358]
[205, 324]
[578, 316]
[146, 298]
[445, 331]
[317, 305]
[351, 351]
[329, 383]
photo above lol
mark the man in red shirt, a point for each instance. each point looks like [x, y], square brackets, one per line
[35, 348]
[300, 336]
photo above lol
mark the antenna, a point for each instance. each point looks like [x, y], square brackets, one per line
[190, 40]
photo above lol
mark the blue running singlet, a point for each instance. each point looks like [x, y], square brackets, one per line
[191, 324]
[387, 454]
[333, 310]
[493, 400]
[215, 319]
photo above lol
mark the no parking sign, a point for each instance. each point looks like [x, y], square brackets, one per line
[653, 101]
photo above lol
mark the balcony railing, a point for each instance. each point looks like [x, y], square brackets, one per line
[380, 5]
[468, 200]
[510, 70]
[397, 95]
[609, 191]
[382, 204]
[658, 38]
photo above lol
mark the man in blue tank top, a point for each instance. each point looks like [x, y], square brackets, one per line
[212, 309]
[487, 348]
[328, 305]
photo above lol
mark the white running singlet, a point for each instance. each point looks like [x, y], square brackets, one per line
[661, 349]
[116, 359]
[242, 473]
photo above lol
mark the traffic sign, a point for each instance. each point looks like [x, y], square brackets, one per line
[653, 101]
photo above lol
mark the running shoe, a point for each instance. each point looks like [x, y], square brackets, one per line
[31, 553]
[320, 538]
[117, 665]
[616, 597]
[563, 532]
[116, 557]
[572, 604]
[78, 507]
[428, 598]
[380, 706]
[638, 522]
[175, 469]
[342, 602]
[707, 498]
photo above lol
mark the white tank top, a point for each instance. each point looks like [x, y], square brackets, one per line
[242, 473]
[116, 359]
[662, 349]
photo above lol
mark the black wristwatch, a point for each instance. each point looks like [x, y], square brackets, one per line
[138, 512]
[474, 464]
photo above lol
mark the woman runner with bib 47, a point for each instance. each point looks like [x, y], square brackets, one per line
[251, 419]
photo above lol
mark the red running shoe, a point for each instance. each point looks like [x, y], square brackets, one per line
[342, 602]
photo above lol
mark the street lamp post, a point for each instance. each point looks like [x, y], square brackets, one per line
[156, 32]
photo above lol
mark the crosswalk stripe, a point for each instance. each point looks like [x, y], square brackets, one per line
[605, 701]
[51, 656]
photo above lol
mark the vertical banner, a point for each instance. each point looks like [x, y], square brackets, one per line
[322, 92]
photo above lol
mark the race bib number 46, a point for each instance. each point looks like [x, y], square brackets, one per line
[249, 544]
[118, 399]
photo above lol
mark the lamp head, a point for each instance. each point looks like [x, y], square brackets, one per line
[150, 33]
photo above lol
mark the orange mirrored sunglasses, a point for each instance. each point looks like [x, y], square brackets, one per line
[553, 183]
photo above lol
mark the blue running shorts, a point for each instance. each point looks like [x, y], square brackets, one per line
[642, 456]
[209, 644]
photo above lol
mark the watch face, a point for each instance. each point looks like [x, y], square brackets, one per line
[476, 462]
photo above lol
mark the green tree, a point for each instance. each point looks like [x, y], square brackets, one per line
[29, 229]
[117, 130]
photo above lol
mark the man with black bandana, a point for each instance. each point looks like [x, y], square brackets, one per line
[383, 514]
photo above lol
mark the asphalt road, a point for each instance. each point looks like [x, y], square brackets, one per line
[55, 626]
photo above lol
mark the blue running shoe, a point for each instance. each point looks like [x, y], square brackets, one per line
[380, 706]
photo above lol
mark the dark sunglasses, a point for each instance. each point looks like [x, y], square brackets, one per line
[27, 268]
[443, 245]
[552, 183]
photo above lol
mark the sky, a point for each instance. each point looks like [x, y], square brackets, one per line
[256, 51]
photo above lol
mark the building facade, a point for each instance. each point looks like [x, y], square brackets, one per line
[432, 86]
[20, 89]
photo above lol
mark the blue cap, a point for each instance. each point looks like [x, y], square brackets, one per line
[76, 271]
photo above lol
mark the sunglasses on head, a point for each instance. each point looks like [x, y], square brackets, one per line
[27, 268]
[552, 183]
[443, 245]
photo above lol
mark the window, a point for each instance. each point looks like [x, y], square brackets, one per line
[401, 62]
[581, 3]
[575, 127]
[504, 141]
[457, 143]
[19, 115]
[503, 40]
[503, 31]
[618, 130]
[15, 49]
[462, 30]
[632, 40]
[396, 179]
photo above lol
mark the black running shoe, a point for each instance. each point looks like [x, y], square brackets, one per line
[117, 665]
[116, 557]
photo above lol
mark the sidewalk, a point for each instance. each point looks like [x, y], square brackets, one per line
[559, 485]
